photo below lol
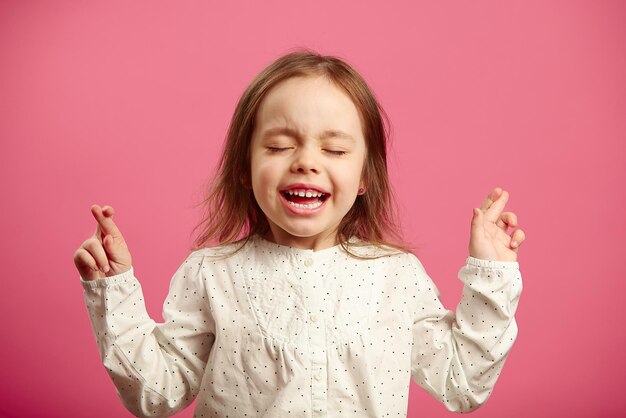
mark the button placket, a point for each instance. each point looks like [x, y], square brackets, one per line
[317, 338]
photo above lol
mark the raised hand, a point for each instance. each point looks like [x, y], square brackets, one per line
[105, 253]
[489, 239]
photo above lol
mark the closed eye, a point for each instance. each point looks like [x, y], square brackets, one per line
[335, 152]
[277, 149]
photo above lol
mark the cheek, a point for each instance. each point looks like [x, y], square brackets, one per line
[263, 176]
[348, 185]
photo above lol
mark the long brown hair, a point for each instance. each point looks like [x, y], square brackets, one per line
[231, 211]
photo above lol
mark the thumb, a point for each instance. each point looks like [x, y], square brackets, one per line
[117, 255]
[477, 219]
[108, 242]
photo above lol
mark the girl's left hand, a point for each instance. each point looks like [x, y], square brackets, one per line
[489, 239]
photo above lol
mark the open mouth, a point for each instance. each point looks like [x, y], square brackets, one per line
[305, 198]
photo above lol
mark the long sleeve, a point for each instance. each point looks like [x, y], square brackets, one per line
[458, 358]
[156, 367]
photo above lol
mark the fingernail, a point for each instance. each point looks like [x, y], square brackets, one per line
[105, 269]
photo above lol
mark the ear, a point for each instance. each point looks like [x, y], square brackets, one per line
[364, 182]
[245, 182]
[362, 187]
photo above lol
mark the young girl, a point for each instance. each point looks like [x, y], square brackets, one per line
[310, 306]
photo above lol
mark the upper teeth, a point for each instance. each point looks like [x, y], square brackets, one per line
[305, 193]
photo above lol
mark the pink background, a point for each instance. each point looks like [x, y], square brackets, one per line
[127, 104]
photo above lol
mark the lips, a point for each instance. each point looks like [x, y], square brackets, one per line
[303, 196]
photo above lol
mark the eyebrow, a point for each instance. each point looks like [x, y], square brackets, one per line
[330, 133]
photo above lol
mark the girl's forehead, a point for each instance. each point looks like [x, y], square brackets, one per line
[308, 103]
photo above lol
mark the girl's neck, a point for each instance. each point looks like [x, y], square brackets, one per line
[315, 243]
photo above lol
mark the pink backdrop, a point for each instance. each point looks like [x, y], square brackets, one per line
[127, 103]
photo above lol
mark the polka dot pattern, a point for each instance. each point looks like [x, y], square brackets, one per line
[284, 332]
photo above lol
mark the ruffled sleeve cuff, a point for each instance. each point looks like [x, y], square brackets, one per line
[121, 278]
[492, 264]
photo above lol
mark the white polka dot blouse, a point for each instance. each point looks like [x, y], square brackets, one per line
[276, 331]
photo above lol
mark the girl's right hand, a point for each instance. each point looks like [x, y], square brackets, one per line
[105, 254]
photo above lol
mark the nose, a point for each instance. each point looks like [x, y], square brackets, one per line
[305, 162]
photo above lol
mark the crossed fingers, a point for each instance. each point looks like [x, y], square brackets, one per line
[493, 207]
[106, 226]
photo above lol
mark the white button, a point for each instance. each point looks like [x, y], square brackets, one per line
[317, 376]
[308, 262]
[313, 318]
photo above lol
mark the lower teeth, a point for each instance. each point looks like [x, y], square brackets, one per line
[307, 206]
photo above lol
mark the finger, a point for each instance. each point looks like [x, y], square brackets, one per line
[86, 265]
[517, 238]
[108, 211]
[95, 248]
[507, 220]
[491, 197]
[495, 210]
[477, 221]
[104, 217]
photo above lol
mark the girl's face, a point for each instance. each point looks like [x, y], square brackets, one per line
[307, 155]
